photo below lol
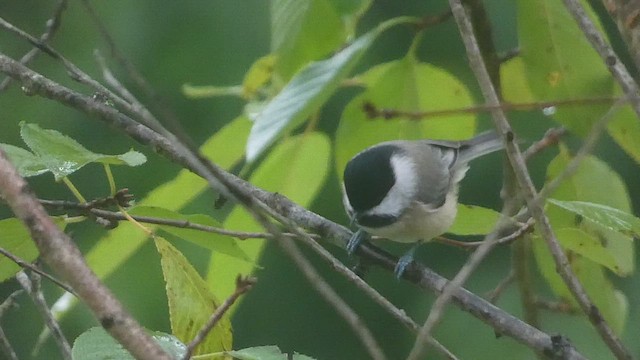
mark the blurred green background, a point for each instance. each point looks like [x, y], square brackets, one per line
[214, 42]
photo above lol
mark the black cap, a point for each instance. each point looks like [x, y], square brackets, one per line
[369, 176]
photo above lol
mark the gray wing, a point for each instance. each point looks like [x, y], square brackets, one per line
[434, 164]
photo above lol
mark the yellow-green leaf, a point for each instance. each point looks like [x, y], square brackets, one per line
[258, 75]
[190, 302]
[15, 238]
[593, 182]
[624, 128]
[611, 302]
[559, 62]
[474, 220]
[207, 240]
[409, 86]
[296, 168]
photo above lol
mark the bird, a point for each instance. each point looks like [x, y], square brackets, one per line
[407, 190]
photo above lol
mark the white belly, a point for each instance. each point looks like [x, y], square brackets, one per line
[420, 222]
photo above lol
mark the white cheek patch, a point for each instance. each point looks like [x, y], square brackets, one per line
[402, 192]
[346, 203]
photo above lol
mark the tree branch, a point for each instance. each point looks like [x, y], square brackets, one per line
[608, 56]
[527, 188]
[31, 284]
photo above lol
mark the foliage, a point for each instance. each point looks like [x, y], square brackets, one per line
[280, 143]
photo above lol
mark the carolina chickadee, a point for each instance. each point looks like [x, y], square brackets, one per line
[407, 191]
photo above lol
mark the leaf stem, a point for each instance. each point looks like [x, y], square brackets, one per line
[112, 182]
[74, 190]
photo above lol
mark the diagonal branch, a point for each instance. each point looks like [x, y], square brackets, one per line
[608, 56]
[527, 188]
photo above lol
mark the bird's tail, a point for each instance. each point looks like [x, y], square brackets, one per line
[482, 144]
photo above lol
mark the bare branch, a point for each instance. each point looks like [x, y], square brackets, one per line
[25, 264]
[6, 346]
[526, 185]
[242, 286]
[31, 284]
[625, 13]
[608, 56]
[52, 26]
[7, 304]
[495, 294]
[374, 112]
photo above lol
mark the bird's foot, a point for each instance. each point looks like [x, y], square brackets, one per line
[355, 241]
[405, 261]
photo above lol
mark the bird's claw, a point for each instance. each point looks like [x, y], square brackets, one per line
[355, 241]
[405, 261]
[402, 264]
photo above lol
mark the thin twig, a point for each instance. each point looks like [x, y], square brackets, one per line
[136, 106]
[619, 72]
[397, 313]
[508, 239]
[52, 26]
[373, 112]
[31, 284]
[437, 310]
[551, 137]
[242, 286]
[520, 263]
[555, 306]
[9, 302]
[74, 72]
[157, 101]
[495, 294]
[587, 147]
[6, 346]
[26, 265]
[527, 188]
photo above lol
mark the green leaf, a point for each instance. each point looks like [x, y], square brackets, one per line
[270, 352]
[63, 156]
[15, 238]
[584, 244]
[624, 128]
[27, 164]
[612, 303]
[258, 75]
[605, 216]
[304, 31]
[513, 82]
[212, 241]
[120, 243]
[307, 91]
[297, 168]
[404, 85]
[593, 182]
[560, 63]
[190, 302]
[97, 344]
[474, 220]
